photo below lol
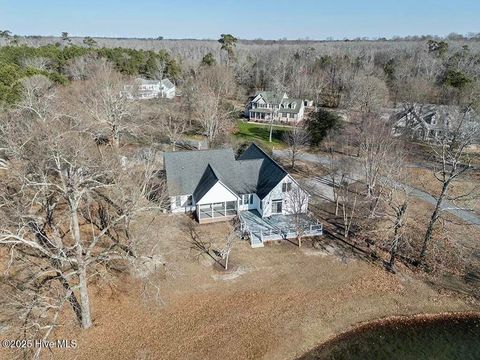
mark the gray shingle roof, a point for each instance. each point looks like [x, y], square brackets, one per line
[269, 174]
[184, 169]
[195, 172]
[208, 179]
[168, 84]
[298, 105]
[271, 97]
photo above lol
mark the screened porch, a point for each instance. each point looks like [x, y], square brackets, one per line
[216, 211]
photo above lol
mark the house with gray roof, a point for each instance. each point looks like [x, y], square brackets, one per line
[266, 106]
[143, 89]
[217, 186]
[427, 122]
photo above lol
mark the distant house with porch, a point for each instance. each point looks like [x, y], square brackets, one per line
[266, 106]
[143, 89]
[216, 186]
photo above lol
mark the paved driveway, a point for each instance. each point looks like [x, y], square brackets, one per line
[323, 186]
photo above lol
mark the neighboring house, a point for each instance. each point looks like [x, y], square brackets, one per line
[268, 105]
[426, 121]
[216, 186]
[144, 89]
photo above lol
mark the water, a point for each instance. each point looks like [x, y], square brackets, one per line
[451, 338]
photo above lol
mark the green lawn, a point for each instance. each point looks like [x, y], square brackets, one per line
[259, 133]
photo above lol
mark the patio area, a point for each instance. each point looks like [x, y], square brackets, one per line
[276, 227]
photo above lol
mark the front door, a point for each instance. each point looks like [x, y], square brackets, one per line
[276, 206]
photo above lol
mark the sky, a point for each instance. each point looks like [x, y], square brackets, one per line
[265, 19]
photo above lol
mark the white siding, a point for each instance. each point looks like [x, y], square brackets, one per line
[277, 194]
[183, 208]
[218, 193]
[169, 94]
[253, 206]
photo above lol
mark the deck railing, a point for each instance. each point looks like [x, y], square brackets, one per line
[287, 232]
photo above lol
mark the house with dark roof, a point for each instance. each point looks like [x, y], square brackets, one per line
[216, 186]
[266, 106]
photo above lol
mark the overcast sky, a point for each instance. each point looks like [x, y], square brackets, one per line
[266, 19]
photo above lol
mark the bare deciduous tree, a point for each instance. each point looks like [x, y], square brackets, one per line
[377, 148]
[230, 241]
[396, 196]
[211, 115]
[367, 94]
[39, 63]
[103, 98]
[296, 206]
[173, 124]
[450, 151]
[37, 96]
[65, 218]
[297, 140]
[82, 67]
[348, 201]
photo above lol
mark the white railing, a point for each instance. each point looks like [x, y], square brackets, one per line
[286, 232]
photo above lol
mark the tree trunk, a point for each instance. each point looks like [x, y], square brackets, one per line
[396, 237]
[431, 224]
[84, 298]
[226, 261]
[116, 136]
[393, 254]
[82, 270]
[72, 299]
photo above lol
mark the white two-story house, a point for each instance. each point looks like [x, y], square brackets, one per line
[266, 106]
[143, 89]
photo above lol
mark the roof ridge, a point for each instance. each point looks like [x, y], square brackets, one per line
[268, 157]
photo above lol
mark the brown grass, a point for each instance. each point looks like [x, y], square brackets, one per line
[276, 303]
[425, 180]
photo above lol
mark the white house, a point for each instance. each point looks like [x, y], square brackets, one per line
[266, 105]
[144, 89]
[216, 186]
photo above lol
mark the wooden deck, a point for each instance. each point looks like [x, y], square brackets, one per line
[276, 227]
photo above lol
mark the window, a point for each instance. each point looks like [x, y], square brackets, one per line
[286, 187]
[284, 115]
[178, 201]
[261, 205]
[276, 206]
[247, 199]
[189, 201]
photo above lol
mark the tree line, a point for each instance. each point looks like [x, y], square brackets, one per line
[56, 62]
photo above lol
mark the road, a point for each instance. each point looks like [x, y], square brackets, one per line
[323, 185]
